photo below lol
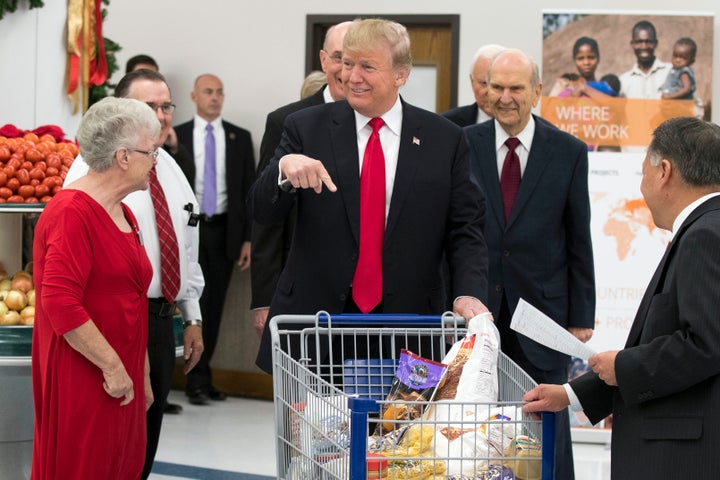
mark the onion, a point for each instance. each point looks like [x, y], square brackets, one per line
[5, 284]
[22, 281]
[3, 308]
[15, 300]
[27, 316]
[10, 318]
[31, 297]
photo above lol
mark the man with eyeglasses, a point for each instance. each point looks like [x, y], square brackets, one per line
[150, 87]
[480, 110]
[271, 243]
[646, 77]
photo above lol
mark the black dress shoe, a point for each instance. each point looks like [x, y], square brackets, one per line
[198, 397]
[173, 408]
[216, 395]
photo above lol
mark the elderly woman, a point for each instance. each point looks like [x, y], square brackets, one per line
[90, 373]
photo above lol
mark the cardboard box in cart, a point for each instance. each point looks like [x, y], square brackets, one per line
[327, 400]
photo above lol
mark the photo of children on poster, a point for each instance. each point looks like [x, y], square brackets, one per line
[610, 79]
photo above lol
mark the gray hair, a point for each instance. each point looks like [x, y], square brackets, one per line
[692, 146]
[488, 51]
[111, 124]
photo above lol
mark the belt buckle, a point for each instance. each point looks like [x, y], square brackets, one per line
[166, 309]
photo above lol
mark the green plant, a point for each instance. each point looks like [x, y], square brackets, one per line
[9, 6]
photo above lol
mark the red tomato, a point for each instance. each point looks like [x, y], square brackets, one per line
[42, 190]
[23, 176]
[56, 189]
[4, 153]
[26, 191]
[3, 178]
[49, 181]
[27, 165]
[47, 138]
[45, 199]
[32, 200]
[13, 184]
[13, 162]
[42, 165]
[52, 172]
[31, 137]
[53, 160]
[15, 199]
[9, 171]
[33, 155]
[34, 182]
[37, 173]
[5, 192]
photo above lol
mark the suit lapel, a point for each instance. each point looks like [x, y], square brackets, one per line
[409, 157]
[343, 136]
[485, 168]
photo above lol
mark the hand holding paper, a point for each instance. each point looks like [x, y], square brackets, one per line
[532, 323]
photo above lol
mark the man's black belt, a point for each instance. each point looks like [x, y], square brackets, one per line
[220, 217]
[160, 307]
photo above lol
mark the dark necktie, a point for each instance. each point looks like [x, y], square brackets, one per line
[368, 280]
[209, 186]
[510, 176]
[169, 252]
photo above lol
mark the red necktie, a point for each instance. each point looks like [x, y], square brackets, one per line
[169, 256]
[510, 176]
[367, 281]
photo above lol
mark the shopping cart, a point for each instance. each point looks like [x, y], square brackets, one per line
[331, 376]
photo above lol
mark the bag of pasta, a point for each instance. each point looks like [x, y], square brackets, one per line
[416, 380]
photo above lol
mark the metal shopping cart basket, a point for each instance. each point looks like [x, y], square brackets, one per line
[331, 377]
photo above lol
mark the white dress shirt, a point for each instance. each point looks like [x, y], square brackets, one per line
[390, 141]
[178, 194]
[199, 134]
[522, 150]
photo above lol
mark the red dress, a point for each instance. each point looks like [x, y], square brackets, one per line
[86, 268]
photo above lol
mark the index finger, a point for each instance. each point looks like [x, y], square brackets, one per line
[325, 178]
[128, 397]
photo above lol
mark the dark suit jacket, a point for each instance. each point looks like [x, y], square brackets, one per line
[463, 116]
[435, 208]
[239, 175]
[666, 420]
[543, 253]
[271, 243]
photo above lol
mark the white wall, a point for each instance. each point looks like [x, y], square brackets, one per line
[257, 48]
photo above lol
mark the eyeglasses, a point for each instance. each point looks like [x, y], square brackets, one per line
[335, 57]
[167, 108]
[151, 153]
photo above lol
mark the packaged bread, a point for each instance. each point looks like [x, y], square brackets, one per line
[524, 457]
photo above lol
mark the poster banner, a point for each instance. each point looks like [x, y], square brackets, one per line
[610, 79]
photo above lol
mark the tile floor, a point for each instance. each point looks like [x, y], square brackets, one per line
[234, 440]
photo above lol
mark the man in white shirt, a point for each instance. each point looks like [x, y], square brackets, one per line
[150, 87]
[646, 77]
[220, 169]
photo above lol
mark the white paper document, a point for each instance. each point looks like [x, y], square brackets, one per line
[532, 323]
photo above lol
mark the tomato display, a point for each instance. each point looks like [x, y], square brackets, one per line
[32, 168]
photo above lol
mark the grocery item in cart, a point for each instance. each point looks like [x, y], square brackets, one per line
[472, 364]
[527, 454]
[416, 380]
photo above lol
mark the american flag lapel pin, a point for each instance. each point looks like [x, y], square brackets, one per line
[416, 141]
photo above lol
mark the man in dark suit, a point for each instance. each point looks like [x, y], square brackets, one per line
[428, 202]
[663, 388]
[539, 234]
[271, 243]
[222, 152]
[479, 111]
